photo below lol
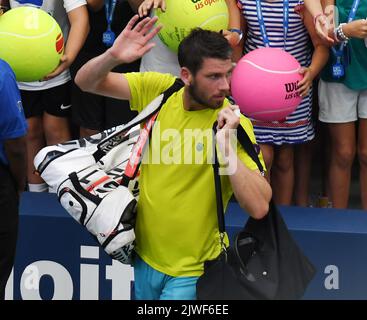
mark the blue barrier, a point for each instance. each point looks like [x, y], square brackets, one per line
[58, 259]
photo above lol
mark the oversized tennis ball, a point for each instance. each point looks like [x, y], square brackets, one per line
[31, 42]
[264, 84]
[182, 16]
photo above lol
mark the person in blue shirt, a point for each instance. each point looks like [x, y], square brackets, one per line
[13, 170]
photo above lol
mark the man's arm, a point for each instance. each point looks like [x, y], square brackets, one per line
[234, 23]
[250, 188]
[16, 153]
[132, 43]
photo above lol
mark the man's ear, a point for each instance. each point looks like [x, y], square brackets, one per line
[186, 76]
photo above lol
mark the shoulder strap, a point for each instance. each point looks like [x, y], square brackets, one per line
[153, 107]
[218, 186]
[248, 146]
[177, 85]
[133, 164]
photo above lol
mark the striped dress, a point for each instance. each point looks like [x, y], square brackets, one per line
[298, 126]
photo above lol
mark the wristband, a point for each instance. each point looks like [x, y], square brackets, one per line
[237, 31]
[340, 34]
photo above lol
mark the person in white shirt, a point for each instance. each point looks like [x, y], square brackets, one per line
[47, 103]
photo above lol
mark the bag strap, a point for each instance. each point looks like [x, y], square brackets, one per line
[153, 107]
[133, 164]
[248, 146]
[218, 186]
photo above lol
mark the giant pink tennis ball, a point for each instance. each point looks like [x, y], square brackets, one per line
[264, 84]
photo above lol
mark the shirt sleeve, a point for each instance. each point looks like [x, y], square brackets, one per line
[70, 5]
[12, 121]
[146, 86]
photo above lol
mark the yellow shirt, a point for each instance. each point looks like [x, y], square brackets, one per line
[176, 228]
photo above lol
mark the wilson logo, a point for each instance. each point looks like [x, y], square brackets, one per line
[291, 87]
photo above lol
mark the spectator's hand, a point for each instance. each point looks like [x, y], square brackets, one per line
[133, 41]
[356, 29]
[64, 64]
[232, 37]
[323, 27]
[305, 84]
[147, 5]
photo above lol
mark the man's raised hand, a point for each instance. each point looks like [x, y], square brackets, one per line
[133, 41]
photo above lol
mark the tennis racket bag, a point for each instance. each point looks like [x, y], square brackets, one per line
[96, 178]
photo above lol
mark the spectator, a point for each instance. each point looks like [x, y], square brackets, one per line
[13, 156]
[94, 113]
[47, 103]
[343, 97]
[288, 26]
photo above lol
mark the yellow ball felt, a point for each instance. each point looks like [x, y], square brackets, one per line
[31, 42]
[182, 16]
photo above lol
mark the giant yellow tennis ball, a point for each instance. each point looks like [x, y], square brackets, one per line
[183, 15]
[31, 42]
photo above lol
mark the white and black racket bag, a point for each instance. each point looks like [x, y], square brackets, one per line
[96, 178]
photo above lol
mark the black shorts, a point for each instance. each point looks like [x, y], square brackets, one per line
[97, 112]
[55, 101]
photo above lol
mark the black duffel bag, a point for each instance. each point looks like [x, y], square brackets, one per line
[264, 262]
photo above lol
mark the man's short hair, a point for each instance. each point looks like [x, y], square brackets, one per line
[200, 44]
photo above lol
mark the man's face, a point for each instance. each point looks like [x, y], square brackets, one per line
[210, 85]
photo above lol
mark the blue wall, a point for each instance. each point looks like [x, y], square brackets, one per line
[54, 248]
